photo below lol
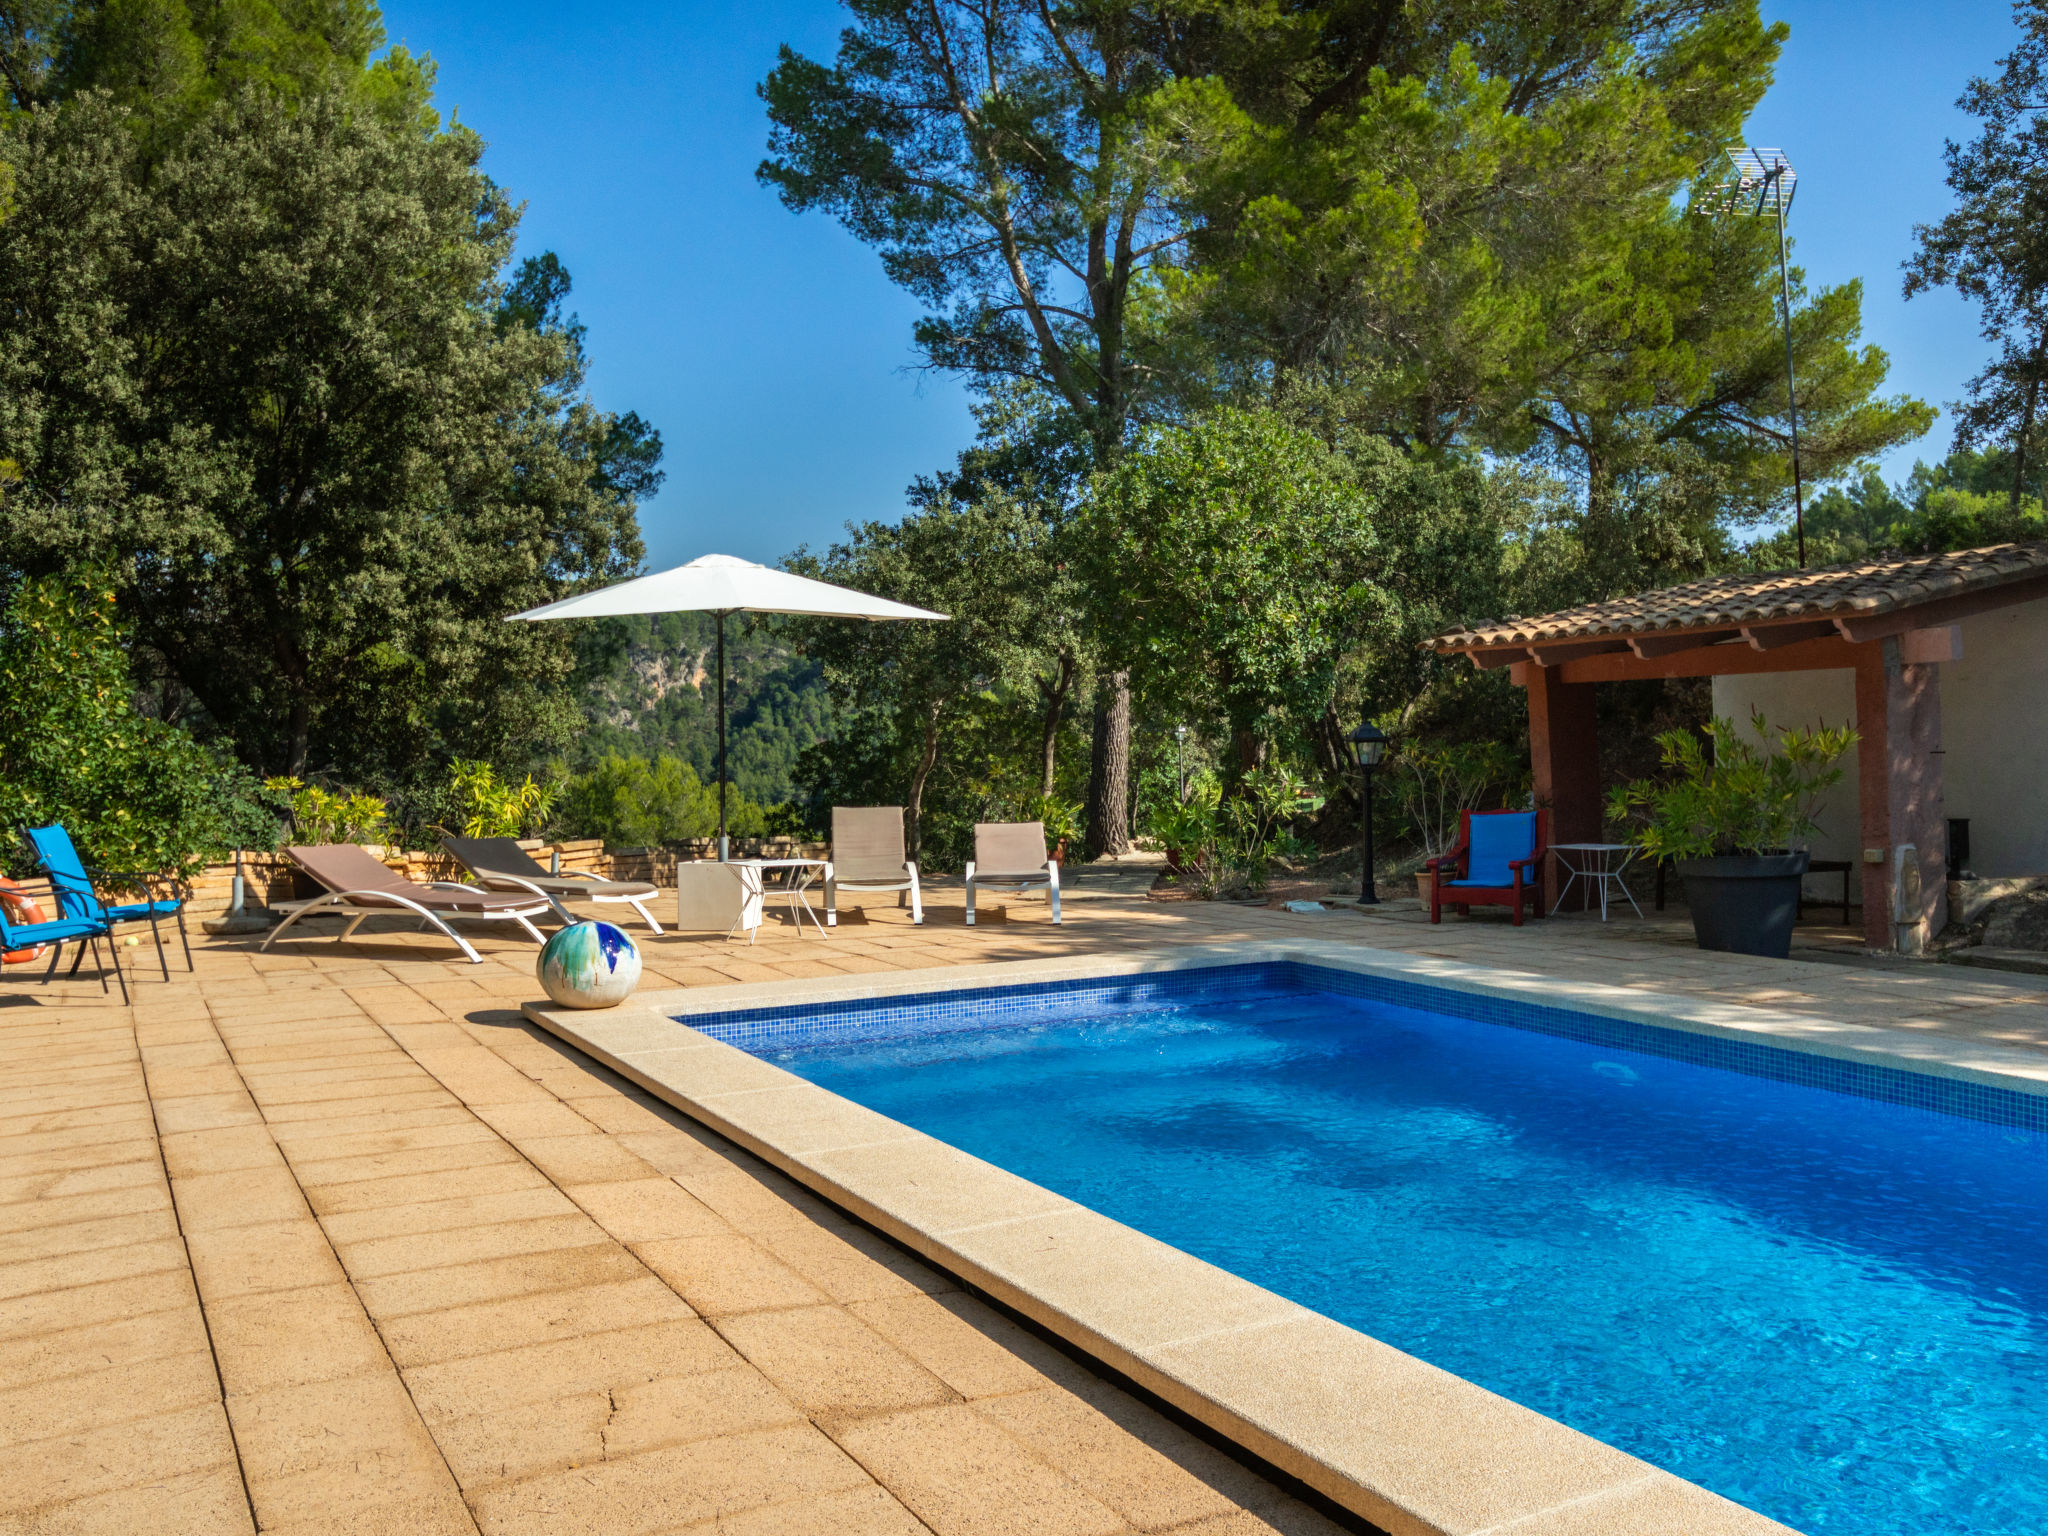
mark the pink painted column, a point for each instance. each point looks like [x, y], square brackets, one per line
[1898, 784]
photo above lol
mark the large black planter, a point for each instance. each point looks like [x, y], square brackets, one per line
[1745, 905]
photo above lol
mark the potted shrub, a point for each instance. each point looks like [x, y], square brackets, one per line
[1732, 823]
[1062, 824]
[1187, 829]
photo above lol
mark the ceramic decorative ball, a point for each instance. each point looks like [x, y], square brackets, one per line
[589, 965]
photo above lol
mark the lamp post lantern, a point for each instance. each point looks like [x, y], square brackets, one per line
[1761, 183]
[1368, 745]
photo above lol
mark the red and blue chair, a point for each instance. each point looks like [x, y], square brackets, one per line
[1497, 862]
[77, 892]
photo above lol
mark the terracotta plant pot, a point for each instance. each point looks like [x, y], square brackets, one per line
[1173, 860]
[1425, 885]
[1058, 855]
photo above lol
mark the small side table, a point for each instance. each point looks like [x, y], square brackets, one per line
[1828, 867]
[1598, 864]
[797, 877]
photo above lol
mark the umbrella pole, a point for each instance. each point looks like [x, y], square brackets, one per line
[721, 737]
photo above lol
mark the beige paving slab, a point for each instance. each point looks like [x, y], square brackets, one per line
[424, 1338]
[660, 1490]
[499, 1176]
[77, 1306]
[65, 1271]
[539, 1373]
[521, 1274]
[867, 1511]
[727, 1273]
[293, 1338]
[645, 1210]
[828, 1362]
[50, 1208]
[963, 1476]
[209, 1502]
[125, 1387]
[274, 1256]
[332, 1447]
[376, 1257]
[112, 1457]
[964, 1343]
[87, 1347]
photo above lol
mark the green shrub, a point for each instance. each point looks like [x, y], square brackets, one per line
[638, 802]
[331, 816]
[1742, 800]
[138, 795]
[491, 807]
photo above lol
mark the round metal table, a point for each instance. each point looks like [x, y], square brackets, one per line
[1597, 865]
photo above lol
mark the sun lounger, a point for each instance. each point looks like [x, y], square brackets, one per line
[360, 887]
[867, 855]
[500, 864]
[1010, 855]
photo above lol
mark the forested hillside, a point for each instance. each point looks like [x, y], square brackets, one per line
[648, 688]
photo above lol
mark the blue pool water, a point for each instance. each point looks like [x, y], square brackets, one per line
[1829, 1308]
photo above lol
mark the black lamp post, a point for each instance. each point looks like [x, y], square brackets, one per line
[1368, 745]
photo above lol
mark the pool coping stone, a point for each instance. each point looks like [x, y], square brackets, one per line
[1409, 1447]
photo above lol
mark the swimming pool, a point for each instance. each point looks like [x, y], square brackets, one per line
[1797, 1282]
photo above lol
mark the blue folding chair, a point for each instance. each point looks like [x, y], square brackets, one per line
[57, 934]
[73, 885]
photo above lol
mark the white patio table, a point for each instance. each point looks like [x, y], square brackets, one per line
[798, 876]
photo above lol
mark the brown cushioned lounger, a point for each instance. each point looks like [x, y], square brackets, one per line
[500, 864]
[1011, 855]
[360, 887]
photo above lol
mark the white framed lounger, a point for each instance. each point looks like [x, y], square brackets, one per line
[501, 864]
[498, 880]
[360, 887]
[1003, 851]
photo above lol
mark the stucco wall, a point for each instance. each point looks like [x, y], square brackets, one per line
[1994, 722]
[1994, 716]
[1809, 699]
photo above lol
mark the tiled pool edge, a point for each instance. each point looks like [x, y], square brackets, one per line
[1410, 1448]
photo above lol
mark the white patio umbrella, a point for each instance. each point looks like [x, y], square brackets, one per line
[719, 585]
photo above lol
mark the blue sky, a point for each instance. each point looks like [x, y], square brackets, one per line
[776, 359]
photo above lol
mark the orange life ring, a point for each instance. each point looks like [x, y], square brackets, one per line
[19, 910]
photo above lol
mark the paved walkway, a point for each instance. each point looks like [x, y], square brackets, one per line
[329, 1240]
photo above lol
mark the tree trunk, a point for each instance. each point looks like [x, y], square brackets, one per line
[1251, 752]
[301, 735]
[2019, 444]
[1109, 769]
[913, 808]
[1055, 695]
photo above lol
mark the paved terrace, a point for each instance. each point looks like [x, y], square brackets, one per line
[330, 1240]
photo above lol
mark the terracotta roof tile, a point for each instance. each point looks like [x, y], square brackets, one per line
[1861, 587]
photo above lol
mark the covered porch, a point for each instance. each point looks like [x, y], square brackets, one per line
[1892, 625]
